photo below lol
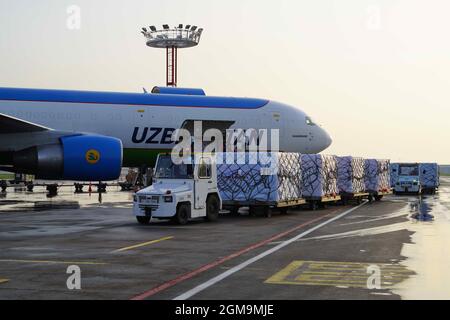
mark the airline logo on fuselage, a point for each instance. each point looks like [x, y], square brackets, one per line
[152, 135]
[92, 156]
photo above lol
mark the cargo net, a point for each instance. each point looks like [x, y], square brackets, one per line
[350, 175]
[250, 182]
[377, 175]
[429, 177]
[319, 175]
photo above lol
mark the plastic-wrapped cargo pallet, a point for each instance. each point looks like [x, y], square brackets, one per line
[319, 176]
[350, 175]
[249, 182]
[394, 168]
[429, 176]
[377, 175]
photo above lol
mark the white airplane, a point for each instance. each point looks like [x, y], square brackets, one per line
[89, 136]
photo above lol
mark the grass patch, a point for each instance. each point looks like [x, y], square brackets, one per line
[6, 176]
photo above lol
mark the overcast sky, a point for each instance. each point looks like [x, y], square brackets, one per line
[374, 73]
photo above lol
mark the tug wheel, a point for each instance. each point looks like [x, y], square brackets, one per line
[143, 220]
[182, 216]
[212, 208]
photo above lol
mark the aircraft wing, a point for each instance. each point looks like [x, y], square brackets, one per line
[10, 124]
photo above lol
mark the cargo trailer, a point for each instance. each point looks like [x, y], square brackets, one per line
[260, 181]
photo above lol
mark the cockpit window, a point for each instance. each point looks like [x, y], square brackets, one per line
[309, 121]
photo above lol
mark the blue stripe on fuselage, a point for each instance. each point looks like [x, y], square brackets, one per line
[97, 97]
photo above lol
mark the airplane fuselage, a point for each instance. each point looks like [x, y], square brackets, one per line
[145, 122]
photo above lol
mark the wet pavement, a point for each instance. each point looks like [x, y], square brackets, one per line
[390, 249]
[21, 200]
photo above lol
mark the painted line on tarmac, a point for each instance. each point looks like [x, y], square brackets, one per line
[53, 262]
[217, 262]
[333, 273]
[142, 244]
[188, 294]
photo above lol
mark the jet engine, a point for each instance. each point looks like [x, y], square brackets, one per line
[76, 157]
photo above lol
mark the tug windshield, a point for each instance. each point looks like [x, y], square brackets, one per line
[409, 170]
[166, 169]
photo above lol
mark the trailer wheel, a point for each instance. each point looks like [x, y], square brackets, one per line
[234, 211]
[378, 198]
[284, 210]
[182, 215]
[313, 205]
[267, 212]
[370, 198]
[143, 220]
[212, 208]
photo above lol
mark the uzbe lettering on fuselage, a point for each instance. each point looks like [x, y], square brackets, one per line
[153, 135]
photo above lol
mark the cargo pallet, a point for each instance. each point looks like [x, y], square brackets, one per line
[263, 206]
[317, 202]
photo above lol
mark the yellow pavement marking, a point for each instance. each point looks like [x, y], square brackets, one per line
[143, 244]
[53, 262]
[327, 273]
[4, 280]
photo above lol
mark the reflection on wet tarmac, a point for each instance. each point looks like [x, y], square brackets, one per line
[66, 198]
[421, 208]
[428, 254]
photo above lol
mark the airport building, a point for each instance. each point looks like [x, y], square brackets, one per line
[444, 169]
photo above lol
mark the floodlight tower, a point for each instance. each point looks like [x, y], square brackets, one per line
[172, 39]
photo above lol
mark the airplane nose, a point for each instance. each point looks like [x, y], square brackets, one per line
[328, 140]
[325, 140]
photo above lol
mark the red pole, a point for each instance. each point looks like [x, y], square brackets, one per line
[171, 66]
[176, 65]
[167, 66]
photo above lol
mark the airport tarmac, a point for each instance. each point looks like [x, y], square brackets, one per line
[335, 253]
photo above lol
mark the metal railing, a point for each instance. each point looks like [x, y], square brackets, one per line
[174, 34]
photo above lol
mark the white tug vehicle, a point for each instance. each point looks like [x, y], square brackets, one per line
[180, 191]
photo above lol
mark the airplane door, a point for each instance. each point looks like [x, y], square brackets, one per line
[278, 123]
[203, 178]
